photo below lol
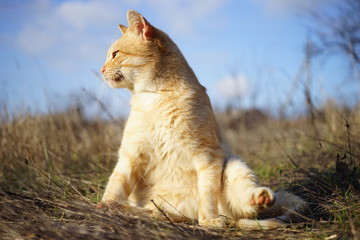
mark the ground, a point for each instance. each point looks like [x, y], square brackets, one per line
[54, 168]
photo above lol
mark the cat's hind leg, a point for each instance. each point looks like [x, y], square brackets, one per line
[287, 208]
[243, 200]
[242, 197]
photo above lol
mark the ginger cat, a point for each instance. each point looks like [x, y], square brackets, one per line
[172, 156]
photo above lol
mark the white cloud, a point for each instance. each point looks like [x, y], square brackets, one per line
[36, 41]
[64, 33]
[81, 15]
[231, 87]
[68, 31]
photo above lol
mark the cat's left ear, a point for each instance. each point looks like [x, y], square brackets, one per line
[141, 26]
[122, 28]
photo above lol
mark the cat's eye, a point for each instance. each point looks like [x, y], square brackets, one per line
[114, 54]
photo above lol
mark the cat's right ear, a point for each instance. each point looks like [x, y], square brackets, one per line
[122, 28]
[140, 25]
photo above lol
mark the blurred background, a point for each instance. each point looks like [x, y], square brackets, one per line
[283, 57]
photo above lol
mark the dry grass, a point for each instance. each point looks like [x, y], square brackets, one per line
[53, 169]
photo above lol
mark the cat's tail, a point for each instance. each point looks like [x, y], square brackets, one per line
[287, 208]
[265, 224]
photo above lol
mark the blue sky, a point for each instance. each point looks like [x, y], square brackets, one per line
[249, 50]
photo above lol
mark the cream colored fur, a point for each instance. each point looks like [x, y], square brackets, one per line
[172, 155]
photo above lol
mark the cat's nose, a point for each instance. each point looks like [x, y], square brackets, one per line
[103, 69]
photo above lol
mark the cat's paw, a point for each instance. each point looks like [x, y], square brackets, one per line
[106, 204]
[262, 197]
[219, 222]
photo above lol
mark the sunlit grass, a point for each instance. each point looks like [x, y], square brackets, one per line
[56, 166]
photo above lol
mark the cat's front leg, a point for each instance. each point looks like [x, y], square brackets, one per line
[209, 184]
[122, 179]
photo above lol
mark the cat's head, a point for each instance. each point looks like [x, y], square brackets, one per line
[135, 55]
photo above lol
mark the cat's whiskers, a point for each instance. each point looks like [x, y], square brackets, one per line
[126, 85]
[118, 74]
[102, 93]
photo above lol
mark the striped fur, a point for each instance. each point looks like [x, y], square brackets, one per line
[172, 155]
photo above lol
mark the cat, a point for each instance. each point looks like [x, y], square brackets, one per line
[172, 156]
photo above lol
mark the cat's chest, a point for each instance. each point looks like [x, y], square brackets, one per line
[144, 102]
[158, 110]
[163, 124]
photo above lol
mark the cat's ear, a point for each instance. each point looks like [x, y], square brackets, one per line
[122, 28]
[140, 25]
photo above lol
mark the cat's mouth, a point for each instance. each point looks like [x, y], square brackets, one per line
[118, 77]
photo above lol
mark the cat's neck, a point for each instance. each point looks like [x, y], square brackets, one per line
[172, 73]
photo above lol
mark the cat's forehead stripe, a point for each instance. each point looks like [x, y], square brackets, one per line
[135, 54]
[115, 47]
